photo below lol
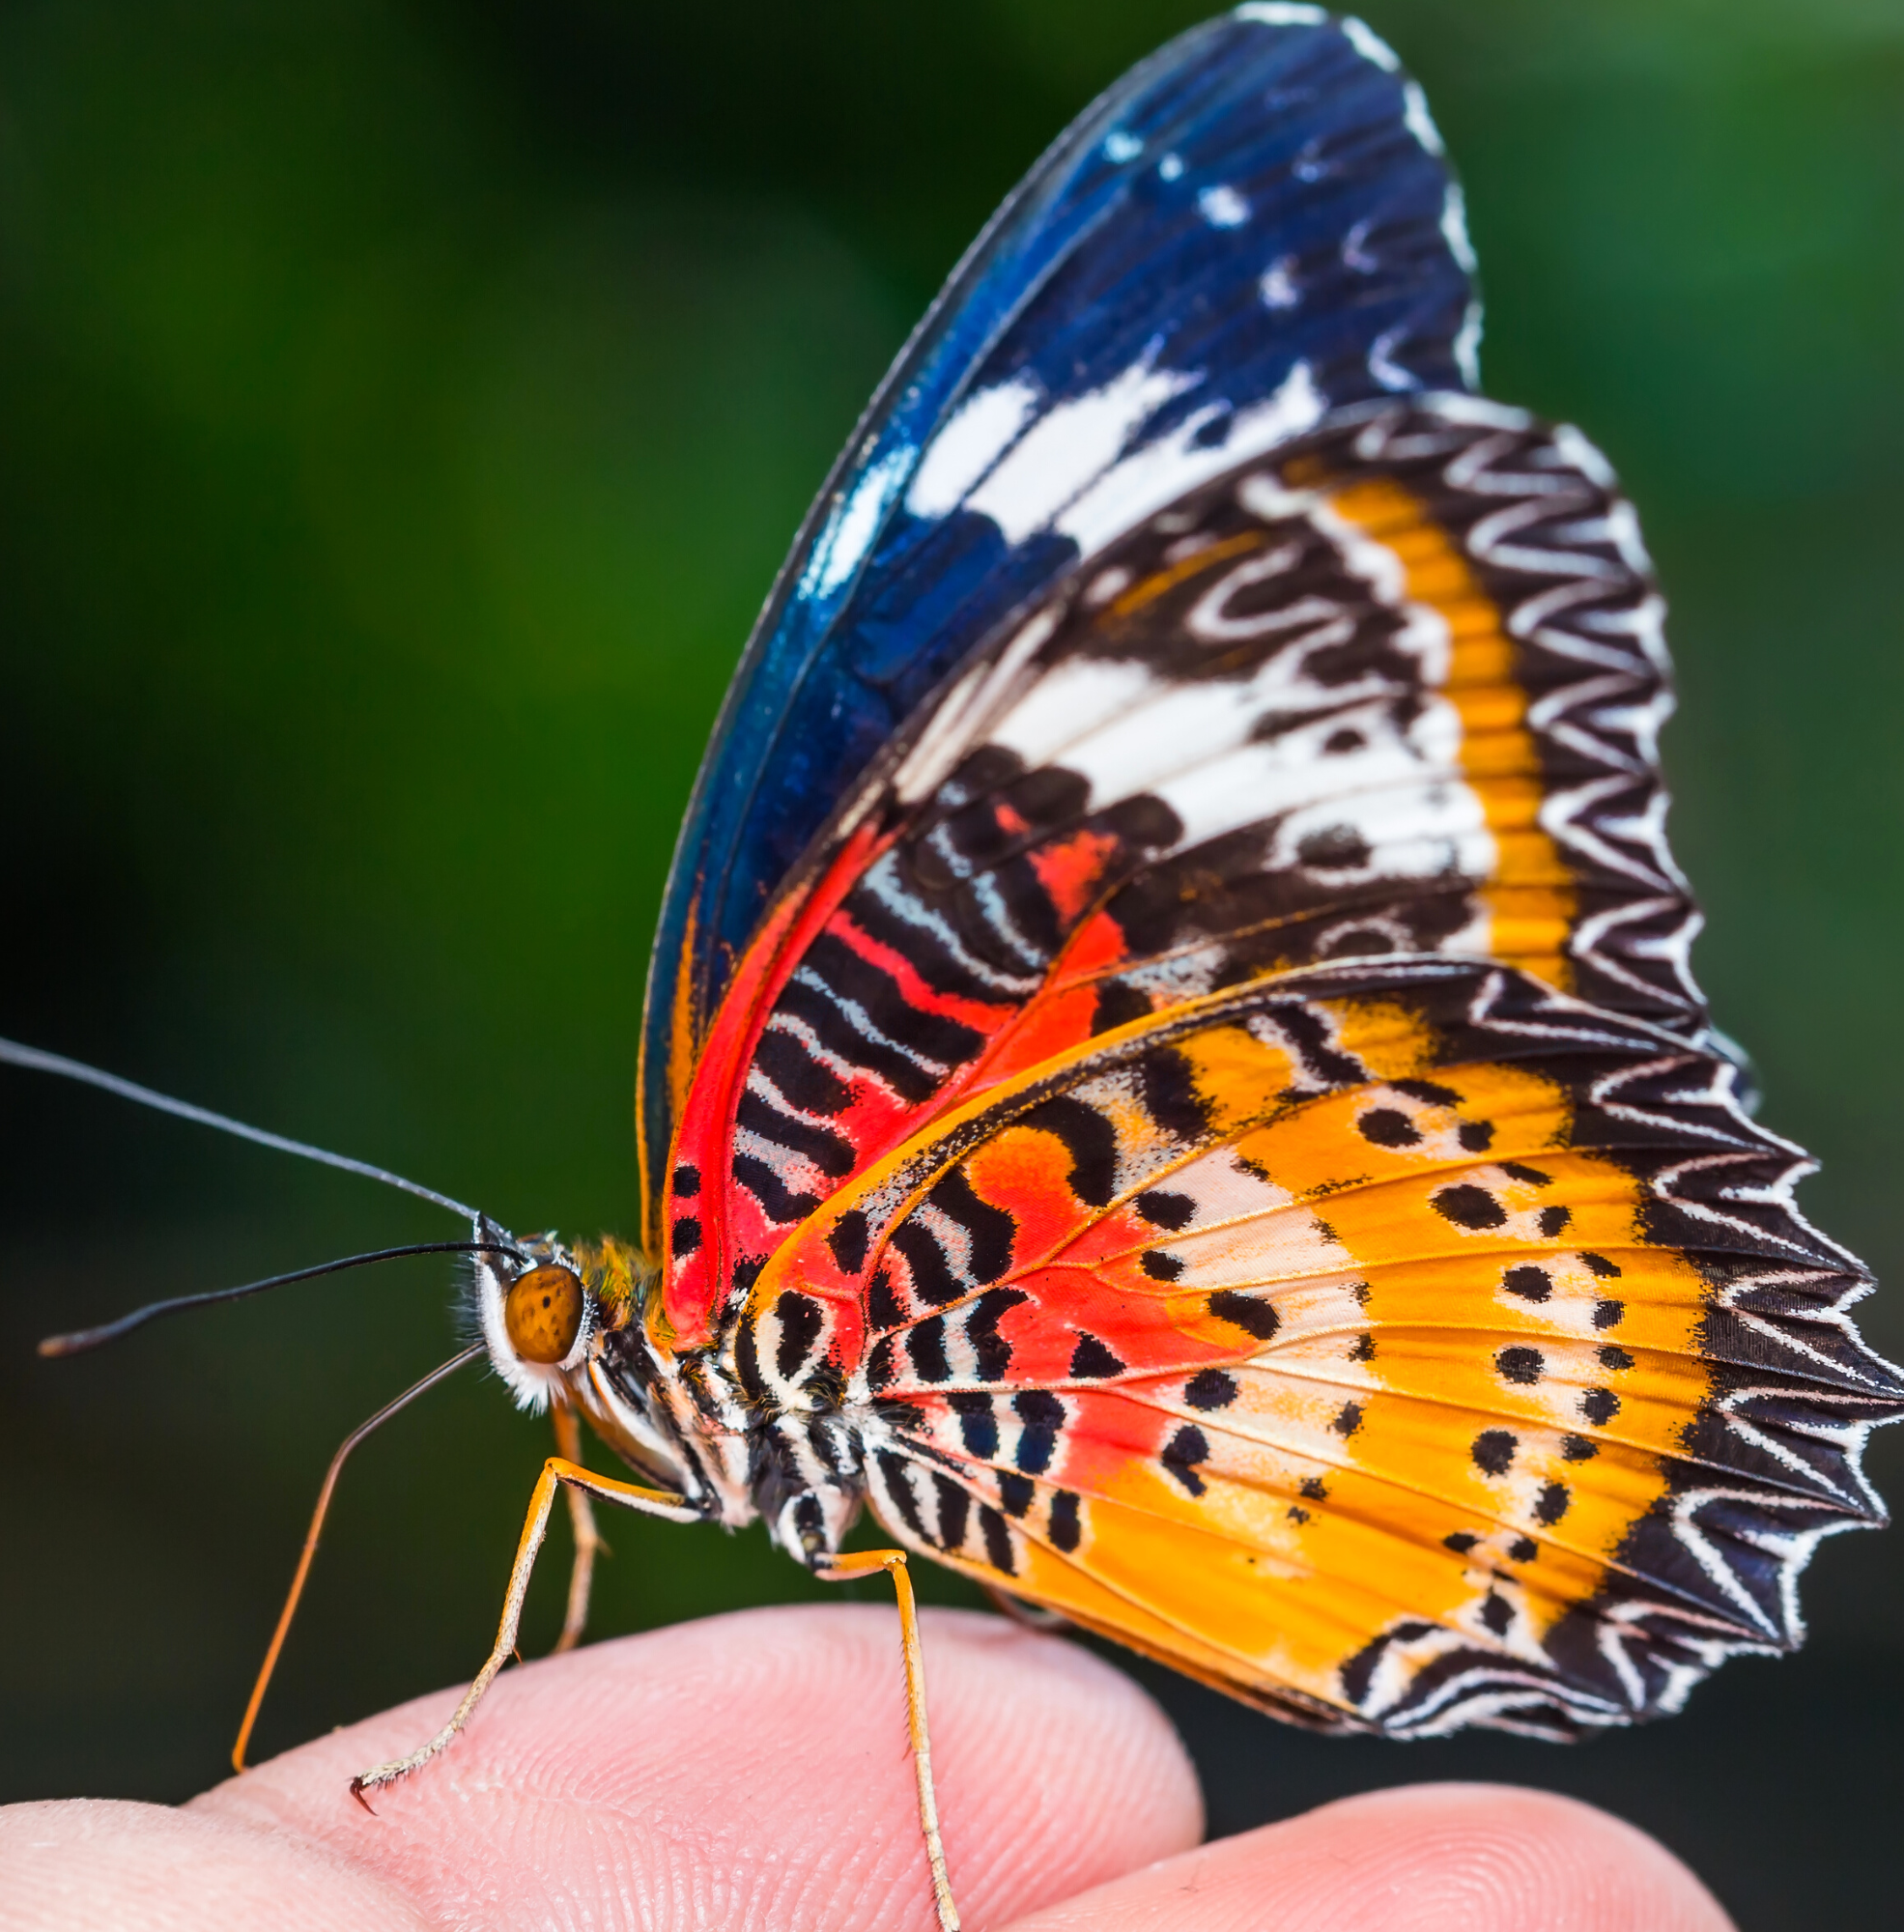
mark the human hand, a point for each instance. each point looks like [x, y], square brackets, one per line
[751, 1772]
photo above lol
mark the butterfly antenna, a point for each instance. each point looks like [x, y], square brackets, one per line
[317, 1515]
[13, 1054]
[81, 1339]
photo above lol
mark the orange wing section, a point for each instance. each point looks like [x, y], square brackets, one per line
[1399, 1346]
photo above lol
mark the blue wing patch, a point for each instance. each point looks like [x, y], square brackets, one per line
[1253, 226]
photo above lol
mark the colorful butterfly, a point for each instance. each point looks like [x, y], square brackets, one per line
[1172, 1071]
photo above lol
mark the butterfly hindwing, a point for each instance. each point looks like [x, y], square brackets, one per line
[1399, 1344]
[1253, 225]
[1393, 688]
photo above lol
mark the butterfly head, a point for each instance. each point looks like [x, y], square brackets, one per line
[545, 1306]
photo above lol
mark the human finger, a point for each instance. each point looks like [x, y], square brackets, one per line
[1426, 1858]
[746, 1771]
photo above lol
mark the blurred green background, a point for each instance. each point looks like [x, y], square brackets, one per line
[402, 408]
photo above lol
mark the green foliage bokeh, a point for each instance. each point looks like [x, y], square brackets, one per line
[403, 410]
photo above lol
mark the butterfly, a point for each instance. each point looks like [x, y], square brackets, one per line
[1172, 1074]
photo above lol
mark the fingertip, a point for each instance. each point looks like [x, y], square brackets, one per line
[1431, 1858]
[769, 1747]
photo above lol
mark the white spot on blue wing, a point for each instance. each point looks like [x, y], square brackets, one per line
[1453, 228]
[854, 524]
[1120, 146]
[1384, 368]
[1159, 472]
[1355, 249]
[1468, 347]
[1223, 207]
[1278, 285]
[1072, 445]
[1282, 14]
[983, 427]
[1420, 123]
[1170, 167]
[1368, 44]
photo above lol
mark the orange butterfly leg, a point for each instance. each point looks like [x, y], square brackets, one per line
[590, 1542]
[860, 1563]
[555, 1472]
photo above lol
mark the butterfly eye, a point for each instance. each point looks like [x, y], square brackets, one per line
[542, 1314]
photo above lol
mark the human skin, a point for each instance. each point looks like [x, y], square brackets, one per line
[748, 1774]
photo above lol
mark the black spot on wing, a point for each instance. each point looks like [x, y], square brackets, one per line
[1429, 1092]
[802, 1081]
[1067, 1531]
[925, 1346]
[1553, 1221]
[1530, 1283]
[1468, 1207]
[687, 1181]
[1476, 1136]
[978, 1425]
[1523, 1367]
[1607, 1270]
[1600, 1405]
[883, 1309]
[685, 1240]
[1613, 1356]
[1015, 1492]
[1167, 1080]
[1336, 848]
[954, 1511]
[1211, 1388]
[1165, 1210]
[1043, 1415]
[933, 1037]
[1118, 1003]
[988, 1230]
[998, 1541]
[801, 1320]
[991, 1350]
[1158, 1265]
[1551, 1504]
[781, 1203]
[898, 1485]
[933, 1280]
[1493, 1450]
[1517, 1170]
[1254, 1317]
[830, 1152]
[1388, 1127]
[1090, 1359]
[1182, 1454]
[1608, 1314]
[847, 1240]
[1578, 1448]
[1089, 1139]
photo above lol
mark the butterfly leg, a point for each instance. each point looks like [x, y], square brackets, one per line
[588, 1540]
[843, 1567]
[557, 1472]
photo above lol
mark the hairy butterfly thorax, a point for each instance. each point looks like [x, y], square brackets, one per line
[577, 1326]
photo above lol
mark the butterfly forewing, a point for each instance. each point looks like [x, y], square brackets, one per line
[1395, 689]
[1254, 225]
[1399, 1344]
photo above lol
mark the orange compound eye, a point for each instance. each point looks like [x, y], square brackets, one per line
[542, 1314]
